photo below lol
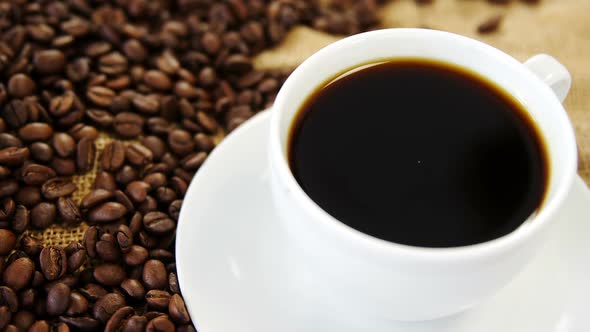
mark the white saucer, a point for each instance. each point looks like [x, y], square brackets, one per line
[228, 252]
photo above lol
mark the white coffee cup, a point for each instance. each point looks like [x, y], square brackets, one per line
[362, 276]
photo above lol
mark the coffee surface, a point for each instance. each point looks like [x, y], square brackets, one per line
[419, 153]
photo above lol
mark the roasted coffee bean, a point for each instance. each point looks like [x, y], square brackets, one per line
[154, 275]
[93, 292]
[128, 125]
[121, 103]
[86, 324]
[159, 126]
[21, 85]
[147, 240]
[180, 141]
[102, 118]
[15, 114]
[155, 145]
[155, 168]
[137, 191]
[107, 248]
[135, 324]
[62, 105]
[137, 255]
[105, 180]
[19, 273]
[49, 61]
[177, 310]
[8, 140]
[41, 152]
[28, 196]
[148, 205]
[106, 306]
[155, 180]
[76, 254]
[57, 187]
[40, 326]
[35, 174]
[124, 238]
[204, 142]
[113, 156]
[121, 197]
[64, 145]
[118, 318]
[7, 209]
[193, 161]
[161, 255]
[68, 280]
[100, 95]
[134, 50]
[147, 104]
[78, 304]
[27, 298]
[7, 242]
[157, 80]
[158, 299]
[35, 131]
[250, 79]
[58, 298]
[4, 172]
[78, 69]
[95, 197]
[63, 167]
[109, 274]
[207, 122]
[139, 155]
[30, 245]
[173, 282]
[170, 160]
[490, 25]
[43, 215]
[61, 327]
[179, 185]
[13, 156]
[85, 154]
[112, 63]
[97, 48]
[53, 262]
[80, 131]
[160, 324]
[40, 32]
[133, 288]
[8, 187]
[22, 219]
[126, 174]
[68, 211]
[16, 254]
[23, 320]
[90, 238]
[158, 223]
[107, 212]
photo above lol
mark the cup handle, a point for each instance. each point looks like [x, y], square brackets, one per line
[552, 72]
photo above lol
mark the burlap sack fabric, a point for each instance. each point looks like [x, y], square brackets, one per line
[557, 27]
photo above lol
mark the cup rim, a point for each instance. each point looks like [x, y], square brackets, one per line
[384, 248]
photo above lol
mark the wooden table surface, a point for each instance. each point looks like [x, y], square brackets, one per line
[560, 28]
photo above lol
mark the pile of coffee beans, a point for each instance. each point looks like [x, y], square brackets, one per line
[163, 79]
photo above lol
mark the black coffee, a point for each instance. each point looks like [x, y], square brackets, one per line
[419, 153]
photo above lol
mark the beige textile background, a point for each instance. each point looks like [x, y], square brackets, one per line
[560, 28]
